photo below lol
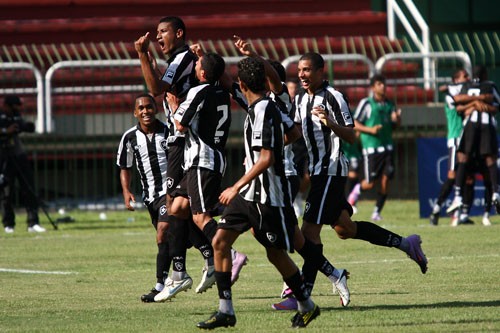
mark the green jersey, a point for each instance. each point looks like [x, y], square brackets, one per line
[453, 119]
[371, 113]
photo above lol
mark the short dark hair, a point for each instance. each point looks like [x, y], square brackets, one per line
[176, 22]
[480, 72]
[316, 59]
[214, 66]
[11, 100]
[457, 74]
[278, 67]
[147, 96]
[377, 78]
[251, 72]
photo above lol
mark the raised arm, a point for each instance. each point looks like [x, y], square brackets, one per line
[148, 66]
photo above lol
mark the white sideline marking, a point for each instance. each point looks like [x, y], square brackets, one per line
[28, 271]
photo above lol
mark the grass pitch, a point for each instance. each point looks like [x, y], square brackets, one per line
[88, 277]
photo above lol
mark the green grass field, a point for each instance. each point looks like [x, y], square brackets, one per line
[88, 277]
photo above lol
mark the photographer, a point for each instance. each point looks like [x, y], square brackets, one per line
[14, 164]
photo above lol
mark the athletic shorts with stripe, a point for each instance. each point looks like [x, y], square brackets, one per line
[273, 226]
[326, 200]
[157, 210]
[175, 172]
[203, 189]
[377, 164]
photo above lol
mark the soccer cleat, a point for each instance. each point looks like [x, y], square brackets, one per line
[287, 292]
[150, 298]
[434, 219]
[239, 261]
[303, 319]
[341, 287]
[289, 304]
[376, 217]
[486, 220]
[172, 288]
[218, 319]
[9, 230]
[455, 205]
[354, 195]
[207, 279]
[415, 252]
[36, 228]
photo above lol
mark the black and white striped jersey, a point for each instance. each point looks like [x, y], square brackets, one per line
[149, 152]
[286, 107]
[323, 145]
[207, 114]
[180, 75]
[474, 88]
[264, 129]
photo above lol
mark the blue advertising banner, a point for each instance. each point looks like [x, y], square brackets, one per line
[432, 173]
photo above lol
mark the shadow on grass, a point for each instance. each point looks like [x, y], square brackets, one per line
[454, 304]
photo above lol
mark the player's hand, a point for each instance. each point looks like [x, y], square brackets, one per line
[243, 46]
[172, 101]
[142, 44]
[128, 198]
[196, 49]
[228, 195]
[320, 112]
[376, 129]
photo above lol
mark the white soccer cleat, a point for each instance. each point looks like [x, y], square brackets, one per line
[207, 279]
[455, 205]
[172, 288]
[486, 220]
[9, 230]
[341, 287]
[36, 228]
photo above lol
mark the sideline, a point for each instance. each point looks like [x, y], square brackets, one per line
[27, 271]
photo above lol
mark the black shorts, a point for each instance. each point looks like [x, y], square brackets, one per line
[326, 200]
[203, 189]
[175, 172]
[478, 140]
[273, 226]
[355, 164]
[158, 210]
[300, 157]
[376, 164]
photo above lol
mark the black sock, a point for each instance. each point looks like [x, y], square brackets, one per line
[314, 260]
[297, 285]
[374, 234]
[460, 179]
[445, 191]
[163, 261]
[380, 201]
[210, 229]
[223, 284]
[493, 171]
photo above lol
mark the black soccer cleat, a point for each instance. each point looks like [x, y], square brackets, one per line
[218, 319]
[150, 298]
[303, 319]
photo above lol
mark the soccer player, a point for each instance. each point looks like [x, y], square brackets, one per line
[205, 116]
[325, 119]
[174, 83]
[146, 144]
[178, 78]
[259, 200]
[454, 126]
[375, 118]
[479, 102]
[278, 92]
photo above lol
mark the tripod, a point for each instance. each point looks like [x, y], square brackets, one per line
[27, 186]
